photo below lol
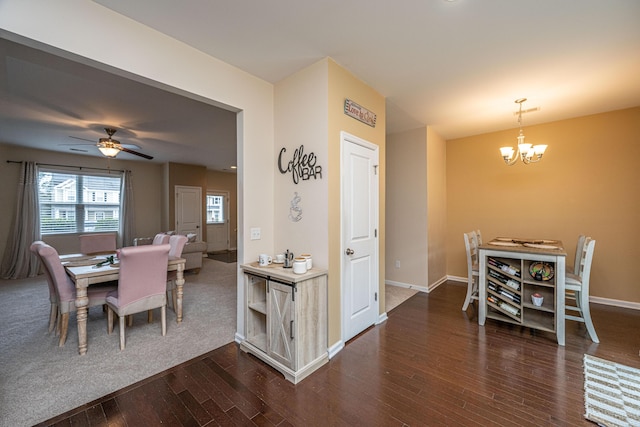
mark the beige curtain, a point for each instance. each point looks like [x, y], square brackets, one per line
[127, 215]
[18, 261]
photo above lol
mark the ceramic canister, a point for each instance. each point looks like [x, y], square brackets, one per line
[309, 260]
[299, 265]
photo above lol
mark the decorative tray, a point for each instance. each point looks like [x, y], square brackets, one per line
[541, 271]
[541, 246]
[501, 243]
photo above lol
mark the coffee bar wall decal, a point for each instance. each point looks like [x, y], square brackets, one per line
[358, 112]
[301, 166]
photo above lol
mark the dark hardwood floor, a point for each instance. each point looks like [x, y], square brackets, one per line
[428, 364]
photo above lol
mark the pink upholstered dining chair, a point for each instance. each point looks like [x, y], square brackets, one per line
[66, 289]
[160, 239]
[97, 243]
[53, 298]
[141, 285]
[177, 243]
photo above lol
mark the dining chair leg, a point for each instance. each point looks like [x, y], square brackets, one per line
[109, 320]
[58, 324]
[149, 316]
[471, 288]
[121, 326]
[53, 315]
[64, 327]
[586, 315]
[163, 315]
[130, 320]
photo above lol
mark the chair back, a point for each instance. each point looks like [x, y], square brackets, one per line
[478, 237]
[52, 289]
[177, 242]
[579, 249]
[97, 243]
[64, 286]
[583, 267]
[471, 247]
[160, 239]
[143, 272]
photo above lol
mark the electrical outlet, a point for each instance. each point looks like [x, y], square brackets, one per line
[255, 233]
[398, 263]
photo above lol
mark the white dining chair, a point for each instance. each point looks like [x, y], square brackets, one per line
[576, 259]
[473, 271]
[577, 289]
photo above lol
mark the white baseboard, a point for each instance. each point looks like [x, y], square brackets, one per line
[406, 285]
[426, 289]
[382, 318]
[595, 300]
[335, 349]
[615, 302]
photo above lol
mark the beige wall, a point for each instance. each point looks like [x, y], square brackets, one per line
[406, 224]
[416, 208]
[147, 189]
[436, 206]
[343, 84]
[227, 181]
[309, 111]
[587, 183]
[301, 120]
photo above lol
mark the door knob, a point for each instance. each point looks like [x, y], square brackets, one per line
[349, 251]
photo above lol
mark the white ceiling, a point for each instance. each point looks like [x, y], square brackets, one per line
[457, 66]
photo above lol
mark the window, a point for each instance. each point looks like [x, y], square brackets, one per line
[78, 202]
[215, 209]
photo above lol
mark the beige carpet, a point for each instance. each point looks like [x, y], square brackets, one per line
[39, 380]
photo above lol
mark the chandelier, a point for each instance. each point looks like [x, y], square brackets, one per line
[528, 153]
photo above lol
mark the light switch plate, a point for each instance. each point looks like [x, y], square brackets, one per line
[255, 233]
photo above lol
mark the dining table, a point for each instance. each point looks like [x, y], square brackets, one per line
[85, 271]
[522, 281]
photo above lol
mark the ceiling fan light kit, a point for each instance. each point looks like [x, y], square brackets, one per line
[109, 147]
[528, 153]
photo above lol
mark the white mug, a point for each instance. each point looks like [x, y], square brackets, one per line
[299, 265]
[264, 260]
[307, 257]
[280, 258]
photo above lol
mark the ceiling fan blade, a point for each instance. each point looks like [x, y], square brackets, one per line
[126, 150]
[83, 139]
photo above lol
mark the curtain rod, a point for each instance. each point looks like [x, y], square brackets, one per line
[74, 167]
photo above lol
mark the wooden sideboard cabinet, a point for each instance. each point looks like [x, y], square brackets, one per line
[286, 319]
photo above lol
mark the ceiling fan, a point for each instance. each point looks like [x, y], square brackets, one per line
[110, 147]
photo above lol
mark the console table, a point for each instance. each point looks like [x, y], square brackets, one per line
[507, 283]
[286, 318]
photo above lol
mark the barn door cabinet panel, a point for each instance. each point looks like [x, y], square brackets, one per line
[286, 319]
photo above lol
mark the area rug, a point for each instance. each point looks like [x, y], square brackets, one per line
[611, 393]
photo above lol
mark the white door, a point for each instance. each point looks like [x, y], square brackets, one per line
[217, 221]
[359, 200]
[189, 210]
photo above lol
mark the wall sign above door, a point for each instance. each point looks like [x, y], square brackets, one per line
[358, 112]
